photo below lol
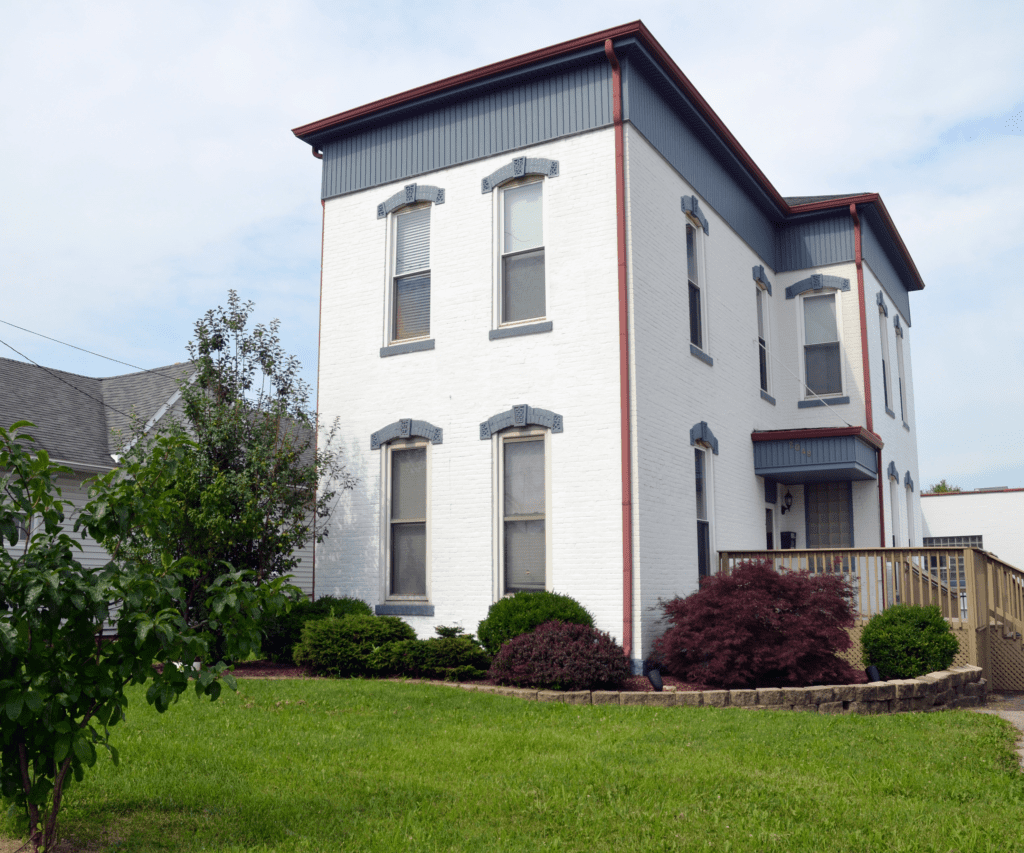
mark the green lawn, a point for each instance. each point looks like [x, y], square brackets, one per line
[365, 766]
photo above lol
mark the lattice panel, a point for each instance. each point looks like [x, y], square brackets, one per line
[852, 654]
[1007, 661]
[963, 656]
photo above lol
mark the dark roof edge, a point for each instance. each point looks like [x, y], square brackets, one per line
[635, 29]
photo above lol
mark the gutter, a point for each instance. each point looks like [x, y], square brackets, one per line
[866, 366]
[625, 432]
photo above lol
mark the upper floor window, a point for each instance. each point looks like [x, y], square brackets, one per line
[521, 263]
[410, 291]
[694, 281]
[762, 337]
[902, 378]
[823, 370]
[883, 331]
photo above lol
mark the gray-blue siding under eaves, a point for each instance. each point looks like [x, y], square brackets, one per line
[473, 125]
[815, 460]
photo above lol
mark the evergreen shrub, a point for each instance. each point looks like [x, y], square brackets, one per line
[449, 658]
[906, 641]
[282, 632]
[756, 627]
[561, 656]
[343, 645]
[524, 611]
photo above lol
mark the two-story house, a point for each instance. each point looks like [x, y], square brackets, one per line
[578, 341]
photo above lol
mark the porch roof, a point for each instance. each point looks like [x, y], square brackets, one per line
[795, 456]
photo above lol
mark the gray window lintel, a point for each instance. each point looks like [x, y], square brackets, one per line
[818, 281]
[761, 277]
[881, 304]
[410, 194]
[404, 609]
[691, 205]
[520, 416]
[520, 167]
[702, 432]
[406, 428]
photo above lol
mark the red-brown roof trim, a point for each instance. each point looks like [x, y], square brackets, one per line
[818, 432]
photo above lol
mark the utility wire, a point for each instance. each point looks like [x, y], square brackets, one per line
[60, 379]
[823, 400]
[82, 349]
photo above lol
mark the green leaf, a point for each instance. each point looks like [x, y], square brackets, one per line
[14, 705]
[60, 751]
[84, 750]
[34, 701]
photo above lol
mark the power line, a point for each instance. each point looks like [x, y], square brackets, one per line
[80, 349]
[60, 379]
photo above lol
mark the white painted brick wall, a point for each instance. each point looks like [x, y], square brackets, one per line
[467, 378]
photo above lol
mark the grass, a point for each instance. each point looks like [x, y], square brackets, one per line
[358, 765]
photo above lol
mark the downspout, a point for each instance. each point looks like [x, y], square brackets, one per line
[858, 255]
[319, 335]
[318, 154]
[625, 439]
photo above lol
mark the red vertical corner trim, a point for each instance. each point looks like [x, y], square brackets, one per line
[625, 440]
[319, 335]
[858, 255]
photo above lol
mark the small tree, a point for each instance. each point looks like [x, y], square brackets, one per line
[756, 627]
[252, 481]
[942, 487]
[62, 686]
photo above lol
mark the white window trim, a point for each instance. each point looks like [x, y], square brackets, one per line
[901, 372]
[390, 266]
[385, 519]
[766, 322]
[702, 281]
[709, 500]
[806, 393]
[887, 385]
[499, 251]
[498, 530]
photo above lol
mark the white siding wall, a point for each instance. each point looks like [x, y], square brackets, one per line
[467, 378]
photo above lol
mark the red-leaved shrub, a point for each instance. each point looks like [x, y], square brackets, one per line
[561, 656]
[756, 627]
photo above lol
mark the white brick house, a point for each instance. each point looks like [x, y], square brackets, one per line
[577, 341]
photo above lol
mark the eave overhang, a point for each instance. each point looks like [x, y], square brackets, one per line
[816, 455]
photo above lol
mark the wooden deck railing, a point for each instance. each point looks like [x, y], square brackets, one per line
[970, 586]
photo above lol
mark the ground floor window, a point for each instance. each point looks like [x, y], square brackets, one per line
[700, 467]
[407, 521]
[524, 513]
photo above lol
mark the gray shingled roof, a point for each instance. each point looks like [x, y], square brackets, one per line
[73, 414]
[794, 200]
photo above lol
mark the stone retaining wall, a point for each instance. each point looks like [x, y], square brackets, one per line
[957, 687]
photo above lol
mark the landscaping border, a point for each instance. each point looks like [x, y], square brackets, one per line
[956, 687]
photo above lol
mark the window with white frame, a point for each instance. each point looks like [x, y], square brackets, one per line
[701, 471]
[762, 336]
[523, 510]
[521, 262]
[407, 541]
[910, 514]
[902, 378]
[883, 331]
[894, 507]
[823, 364]
[410, 264]
[694, 278]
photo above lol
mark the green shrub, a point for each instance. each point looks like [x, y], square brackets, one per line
[282, 632]
[561, 656]
[448, 658]
[906, 641]
[524, 611]
[343, 646]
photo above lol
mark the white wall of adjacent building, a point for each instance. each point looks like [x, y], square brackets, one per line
[997, 516]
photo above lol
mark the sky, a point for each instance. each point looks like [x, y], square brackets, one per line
[147, 164]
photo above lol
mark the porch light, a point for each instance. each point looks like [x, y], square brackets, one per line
[787, 502]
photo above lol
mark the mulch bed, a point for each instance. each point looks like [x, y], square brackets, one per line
[268, 669]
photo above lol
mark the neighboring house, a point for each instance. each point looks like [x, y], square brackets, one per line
[81, 422]
[577, 341]
[991, 519]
